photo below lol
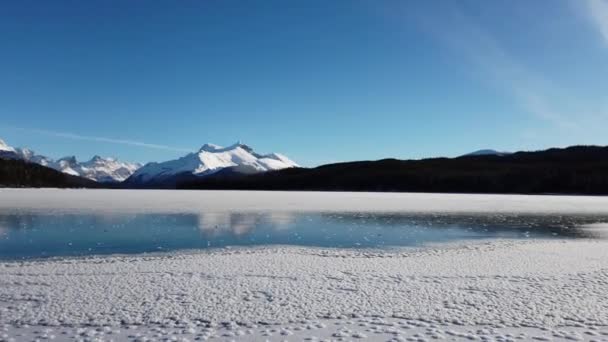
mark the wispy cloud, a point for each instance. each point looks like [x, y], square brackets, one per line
[459, 32]
[74, 136]
[598, 12]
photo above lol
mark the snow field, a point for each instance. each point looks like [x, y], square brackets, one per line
[547, 290]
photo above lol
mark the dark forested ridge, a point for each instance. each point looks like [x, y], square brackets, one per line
[18, 173]
[573, 170]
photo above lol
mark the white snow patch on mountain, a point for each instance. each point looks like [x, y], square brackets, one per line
[5, 147]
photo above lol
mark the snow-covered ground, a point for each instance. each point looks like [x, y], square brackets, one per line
[499, 290]
[544, 289]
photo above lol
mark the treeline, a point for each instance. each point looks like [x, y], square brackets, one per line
[18, 173]
[573, 170]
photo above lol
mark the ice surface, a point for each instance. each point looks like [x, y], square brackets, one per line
[181, 201]
[41, 234]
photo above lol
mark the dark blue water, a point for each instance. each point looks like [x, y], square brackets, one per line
[45, 235]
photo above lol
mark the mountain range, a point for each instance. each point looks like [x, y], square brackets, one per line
[210, 159]
[571, 170]
[102, 170]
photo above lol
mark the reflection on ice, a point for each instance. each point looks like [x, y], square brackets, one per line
[238, 224]
[44, 234]
[595, 230]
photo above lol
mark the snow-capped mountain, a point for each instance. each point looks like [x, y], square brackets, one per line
[98, 169]
[211, 159]
[237, 158]
[7, 151]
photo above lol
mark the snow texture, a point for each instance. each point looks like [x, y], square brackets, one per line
[539, 289]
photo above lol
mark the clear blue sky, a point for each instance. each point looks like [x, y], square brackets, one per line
[317, 80]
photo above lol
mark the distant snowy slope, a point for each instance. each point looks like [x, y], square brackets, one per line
[7, 151]
[30, 156]
[98, 169]
[486, 152]
[210, 159]
[5, 147]
[107, 169]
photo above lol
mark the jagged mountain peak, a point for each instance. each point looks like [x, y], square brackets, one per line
[68, 159]
[96, 160]
[213, 148]
[208, 147]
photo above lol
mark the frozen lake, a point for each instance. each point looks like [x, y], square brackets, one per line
[523, 267]
[46, 223]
